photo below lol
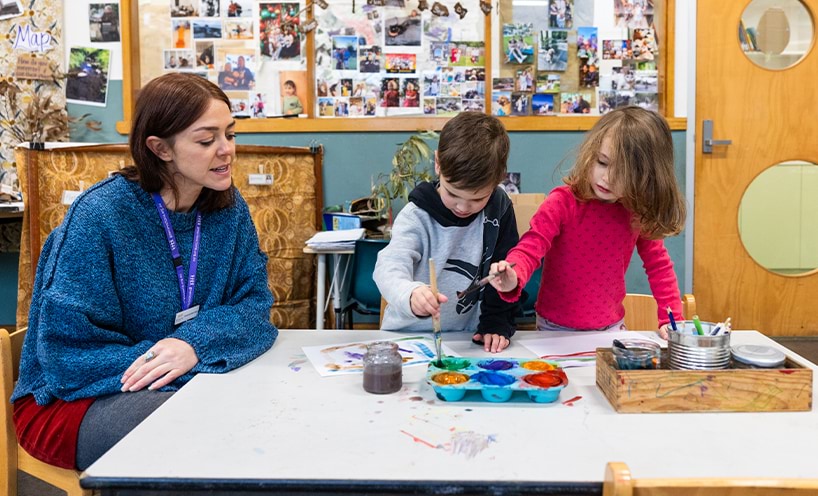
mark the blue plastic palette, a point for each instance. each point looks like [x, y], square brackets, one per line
[497, 379]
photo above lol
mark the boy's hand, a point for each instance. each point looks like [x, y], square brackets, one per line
[423, 302]
[493, 343]
[663, 331]
[506, 279]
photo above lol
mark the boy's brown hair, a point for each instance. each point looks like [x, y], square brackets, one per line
[640, 169]
[473, 151]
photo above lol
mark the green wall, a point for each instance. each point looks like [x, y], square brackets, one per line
[351, 159]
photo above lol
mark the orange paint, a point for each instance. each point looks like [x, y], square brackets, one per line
[419, 440]
[450, 378]
[543, 380]
[537, 365]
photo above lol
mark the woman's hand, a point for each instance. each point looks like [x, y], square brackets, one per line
[164, 362]
[423, 302]
[506, 279]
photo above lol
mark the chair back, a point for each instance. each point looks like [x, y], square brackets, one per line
[362, 288]
[14, 458]
[619, 482]
[641, 311]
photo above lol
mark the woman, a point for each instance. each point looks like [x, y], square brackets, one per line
[154, 275]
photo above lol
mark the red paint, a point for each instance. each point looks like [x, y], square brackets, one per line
[786, 371]
[419, 440]
[571, 401]
[544, 379]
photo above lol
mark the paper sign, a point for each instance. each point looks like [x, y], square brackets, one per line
[261, 179]
[30, 67]
[32, 41]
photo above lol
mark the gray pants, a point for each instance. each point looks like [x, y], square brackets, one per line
[110, 418]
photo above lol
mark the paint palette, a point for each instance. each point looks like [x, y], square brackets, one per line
[497, 379]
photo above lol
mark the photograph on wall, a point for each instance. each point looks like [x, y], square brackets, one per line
[236, 73]
[502, 84]
[588, 74]
[184, 8]
[237, 29]
[520, 103]
[402, 29]
[176, 60]
[429, 106]
[646, 81]
[467, 53]
[239, 104]
[103, 21]
[587, 44]
[439, 53]
[643, 44]
[400, 63]
[501, 103]
[431, 83]
[278, 35]
[621, 79]
[648, 101]
[356, 106]
[10, 8]
[542, 104]
[524, 79]
[575, 103]
[561, 14]
[370, 59]
[473, 90]
[182, 37]
[616, 49]
[411, 96]
[518, 43]
[345, 53]
[326, 107]
[552, 54]
[207, 29]
[474, 105]
[448, 106]
[293, 84]
[548, 83]
[474, 74]
[209, 8]
[239, 8]
[341, 107]
[90, 86]
[390, 92]
[204, 55]
[633, 13]
[259, 105]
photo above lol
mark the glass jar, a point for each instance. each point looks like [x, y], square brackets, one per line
[383, 368]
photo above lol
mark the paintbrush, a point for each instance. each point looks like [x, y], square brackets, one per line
[438, 335]
[476, 285]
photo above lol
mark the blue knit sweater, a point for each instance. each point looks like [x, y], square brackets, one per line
[106, 291]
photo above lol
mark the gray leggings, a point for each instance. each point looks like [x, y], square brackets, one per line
[110, 418]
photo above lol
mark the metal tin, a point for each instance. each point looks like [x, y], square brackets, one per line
[688, 351]
[759, 356]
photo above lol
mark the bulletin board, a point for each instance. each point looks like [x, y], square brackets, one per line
[404, 65]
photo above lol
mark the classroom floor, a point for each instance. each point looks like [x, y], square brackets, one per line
[807, 347]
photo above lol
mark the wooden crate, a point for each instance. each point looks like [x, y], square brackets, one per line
[730, 390]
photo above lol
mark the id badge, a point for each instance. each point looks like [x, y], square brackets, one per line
[186, 315]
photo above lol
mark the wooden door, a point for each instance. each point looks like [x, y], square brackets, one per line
[771, 116]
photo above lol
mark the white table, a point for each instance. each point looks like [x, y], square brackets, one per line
[342, 257]
[275, 425]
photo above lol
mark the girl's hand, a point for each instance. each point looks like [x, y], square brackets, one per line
[423, 302]
[663, 331]
[165, 361]
[506, 279]
[493, 343]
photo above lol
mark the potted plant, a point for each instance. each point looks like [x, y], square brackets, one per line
[409, 167]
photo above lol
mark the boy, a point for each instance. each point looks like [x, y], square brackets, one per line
[464, 221]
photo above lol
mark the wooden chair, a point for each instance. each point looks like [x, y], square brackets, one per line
[619, 482]
[641, 311]
[14, 457]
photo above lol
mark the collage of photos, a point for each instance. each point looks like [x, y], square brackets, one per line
[394, 60]
[230, 41]
[611, 71]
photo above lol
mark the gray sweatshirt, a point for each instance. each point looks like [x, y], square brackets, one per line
[463, 250]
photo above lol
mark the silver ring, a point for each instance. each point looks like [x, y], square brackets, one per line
[150, 355]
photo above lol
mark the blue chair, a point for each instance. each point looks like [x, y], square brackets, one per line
[363, 294]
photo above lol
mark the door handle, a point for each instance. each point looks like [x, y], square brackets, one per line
[707, 138]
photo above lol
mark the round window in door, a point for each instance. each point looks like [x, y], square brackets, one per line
[775, 34]
[778, 218]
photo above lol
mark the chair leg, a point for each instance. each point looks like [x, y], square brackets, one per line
[349, 319]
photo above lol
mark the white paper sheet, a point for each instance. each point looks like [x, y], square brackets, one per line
[579, 348]
[347, 358]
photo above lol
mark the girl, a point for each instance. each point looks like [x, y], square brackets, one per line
[620, 194]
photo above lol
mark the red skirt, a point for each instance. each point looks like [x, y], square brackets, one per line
[49, 433]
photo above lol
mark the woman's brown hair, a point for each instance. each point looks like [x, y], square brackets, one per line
[640, 169]
[166, 106]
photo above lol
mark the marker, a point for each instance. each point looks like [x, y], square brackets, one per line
[716, 329]
[672, 320]
[698, 324]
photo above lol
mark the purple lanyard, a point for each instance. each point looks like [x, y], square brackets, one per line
[185, 290]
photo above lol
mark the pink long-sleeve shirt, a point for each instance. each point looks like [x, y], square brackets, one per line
[587, 248]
